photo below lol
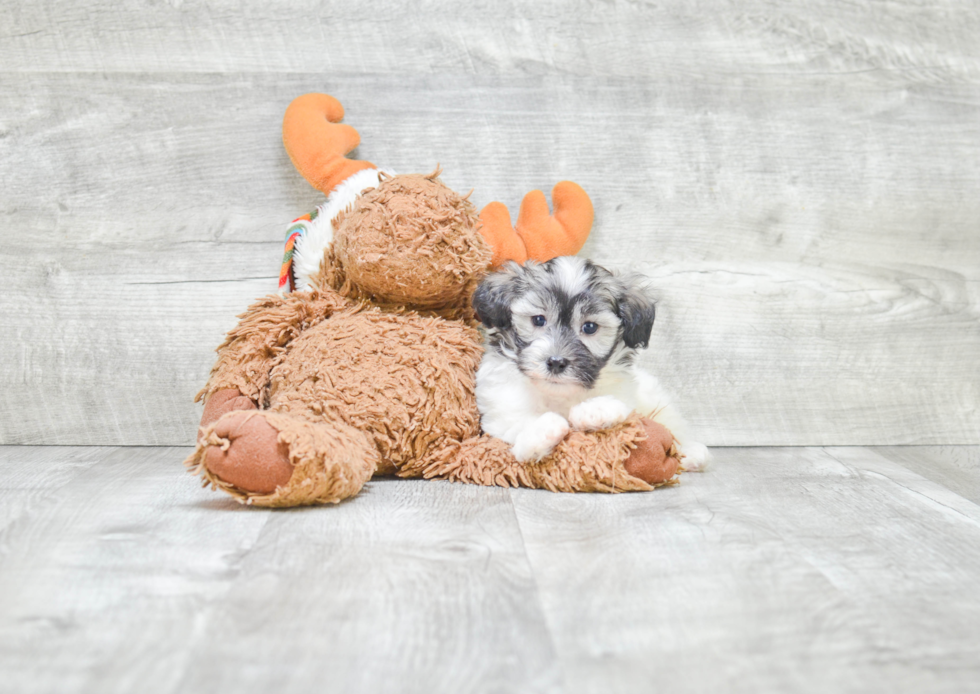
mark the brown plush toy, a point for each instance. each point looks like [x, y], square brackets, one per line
[368, 367]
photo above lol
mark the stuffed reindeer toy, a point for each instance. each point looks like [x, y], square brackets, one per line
[364, 364]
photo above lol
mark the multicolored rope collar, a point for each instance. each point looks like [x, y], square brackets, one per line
[287, 276]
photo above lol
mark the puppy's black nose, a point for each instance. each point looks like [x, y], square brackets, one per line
[557, 364]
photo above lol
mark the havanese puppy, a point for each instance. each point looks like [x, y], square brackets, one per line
[562, 339]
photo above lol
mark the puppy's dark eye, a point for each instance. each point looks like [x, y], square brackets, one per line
[589, 327]
[538, 321]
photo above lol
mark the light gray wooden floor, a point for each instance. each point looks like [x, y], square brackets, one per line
[782, 569]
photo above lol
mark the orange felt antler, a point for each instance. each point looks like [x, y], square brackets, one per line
[538, 235]
[318, 144]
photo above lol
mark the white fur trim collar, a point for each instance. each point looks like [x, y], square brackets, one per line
[312, 244]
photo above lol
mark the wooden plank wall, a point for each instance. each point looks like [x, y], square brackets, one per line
[802, 183]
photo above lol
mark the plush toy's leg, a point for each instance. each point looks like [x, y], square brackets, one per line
[274, 459]
[251, 350]
[637, 455]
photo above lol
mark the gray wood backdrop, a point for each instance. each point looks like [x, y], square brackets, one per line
[802, 183]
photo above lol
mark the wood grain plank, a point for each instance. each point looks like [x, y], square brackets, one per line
[105, 581]
[790, 570]
[446, 36]
[955, 467]
[33, 477]
[811, 237]
[773, 168]
[411, 587]
[128, 576]
[801, 570]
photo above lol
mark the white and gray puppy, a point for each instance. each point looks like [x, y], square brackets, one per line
[562, 340]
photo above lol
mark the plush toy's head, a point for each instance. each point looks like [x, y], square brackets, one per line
[409, 240]
[412, 241]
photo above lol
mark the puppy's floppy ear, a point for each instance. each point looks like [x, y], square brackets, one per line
[636, 310]
[496, 293]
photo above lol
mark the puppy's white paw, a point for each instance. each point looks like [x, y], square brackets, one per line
[598, 413]
[539, 438]
[696, 457]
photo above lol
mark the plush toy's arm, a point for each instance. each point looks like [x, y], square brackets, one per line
[637, 455]
[254, 346]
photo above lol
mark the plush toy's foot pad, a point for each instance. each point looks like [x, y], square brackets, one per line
[277, 459]
[223, 401]
[250, 455]
[654, 460]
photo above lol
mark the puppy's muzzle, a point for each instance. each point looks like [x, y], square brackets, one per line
[557, 364]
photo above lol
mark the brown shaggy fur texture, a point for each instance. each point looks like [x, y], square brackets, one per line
[409, 244]
[419, 392]
[373, 372]
[330, 463]
[583, 462]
